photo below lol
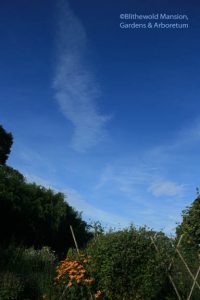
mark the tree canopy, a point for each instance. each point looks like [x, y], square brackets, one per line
[190, 225]
[6, 141]
[35, 216]
[32, 215]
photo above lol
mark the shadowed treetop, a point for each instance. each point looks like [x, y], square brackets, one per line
[6, 141]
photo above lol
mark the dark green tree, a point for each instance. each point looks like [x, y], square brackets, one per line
[32, 215]
[6, 141]
[190, 225]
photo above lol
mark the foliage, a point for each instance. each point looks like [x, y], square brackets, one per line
[128, 266]
[35, 216]
[189, 232]
[96, 228]
[10, 286]
[74, 278]
[32, 215]
[6, 141]
[190, 225]
[26, 273]
[180, 274]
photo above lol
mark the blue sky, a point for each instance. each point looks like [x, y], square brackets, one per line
[108, 116]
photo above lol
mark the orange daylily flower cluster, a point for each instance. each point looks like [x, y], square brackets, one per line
[72, 271]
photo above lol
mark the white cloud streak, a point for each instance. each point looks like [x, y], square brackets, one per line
[132, 181]
[166, 188]
[76, 87]
[156, 174]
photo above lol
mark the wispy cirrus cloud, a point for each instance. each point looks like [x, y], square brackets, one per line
[77, 89]
[131, 180]
[167, 188]
[188, 137]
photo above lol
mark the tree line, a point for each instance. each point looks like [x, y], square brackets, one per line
[32, 215]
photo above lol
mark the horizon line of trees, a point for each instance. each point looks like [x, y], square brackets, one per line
[31, 215]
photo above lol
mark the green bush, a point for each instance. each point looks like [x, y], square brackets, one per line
[129, 267]
[31, 273]
[187, 255]
[10, 286]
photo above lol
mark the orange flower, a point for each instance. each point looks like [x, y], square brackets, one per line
[98, 294]
[89, 280]
[79, 267]
[82, 271]
[79, 276]
[70, 271]
[69, 284]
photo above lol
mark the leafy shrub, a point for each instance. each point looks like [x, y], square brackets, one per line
[10, 286]
[34, 269]
[127, 265]
[186, 259]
